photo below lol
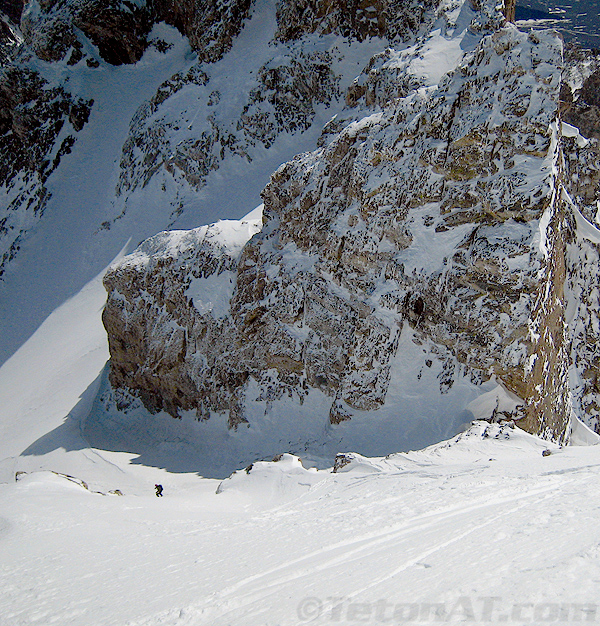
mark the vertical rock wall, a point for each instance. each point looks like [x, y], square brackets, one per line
[442, 214]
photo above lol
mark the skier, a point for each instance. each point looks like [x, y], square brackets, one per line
[159, 490]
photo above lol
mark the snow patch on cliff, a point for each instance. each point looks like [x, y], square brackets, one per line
[212, 294]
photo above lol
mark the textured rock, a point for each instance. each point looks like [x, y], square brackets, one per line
[443, 167]
[510, 7]
[40, 116]
[584, 112]
[150, 346]
[394, 19]
[283, 101]
[10, 16]
[118, 29]
[209, 26]
[454, 216]
[280, 96]
[440, 215]
[38, 124]
[581, 152]
[12, 9]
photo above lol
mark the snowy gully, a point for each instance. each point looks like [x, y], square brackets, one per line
[481, 610]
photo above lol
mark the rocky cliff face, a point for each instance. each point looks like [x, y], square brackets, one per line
[395, 19]
[192, 274]
[581, 170]
[433, 257]
[120, 30]
[175, 148]
[449, 216]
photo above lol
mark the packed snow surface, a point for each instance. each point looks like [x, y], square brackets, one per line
[492, 526]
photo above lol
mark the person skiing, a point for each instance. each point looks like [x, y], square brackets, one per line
[159, 490]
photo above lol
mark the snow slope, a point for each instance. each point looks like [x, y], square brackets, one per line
[481, 529]
[66, 250]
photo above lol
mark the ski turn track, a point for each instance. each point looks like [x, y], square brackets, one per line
[442, 534]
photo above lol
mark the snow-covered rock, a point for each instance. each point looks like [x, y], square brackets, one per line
[241, 107]
[38, 125]
[438, 211]
[119, 120]
[150, 344]
[298, 60]
[437, 216]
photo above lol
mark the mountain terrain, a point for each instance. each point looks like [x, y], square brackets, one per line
[478, 159]
[327, 272]
[428, 259]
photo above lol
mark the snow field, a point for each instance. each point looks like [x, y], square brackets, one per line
[483, 529]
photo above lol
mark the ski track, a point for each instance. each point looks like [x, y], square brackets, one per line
[370, 545]
[415, 540]
[195, 558]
